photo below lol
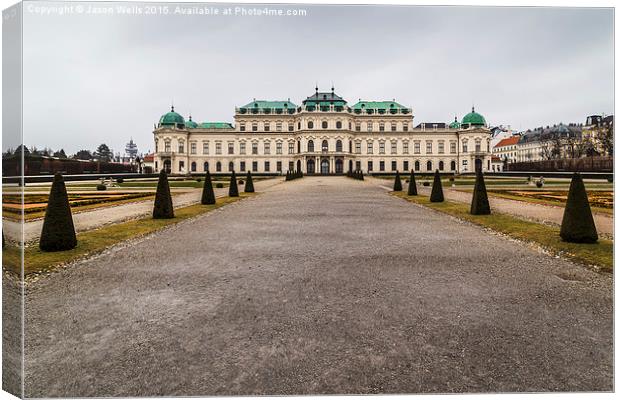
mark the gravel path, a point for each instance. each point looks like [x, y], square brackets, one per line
[320, 285]
[88, 220]
[536, 212]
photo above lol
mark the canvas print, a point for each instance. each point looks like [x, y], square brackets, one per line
[219, 199]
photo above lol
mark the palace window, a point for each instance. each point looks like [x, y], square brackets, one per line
[254, 166]
[358, 127]
[205, 166]
[278, 126]
[218, 147]
[441, 165]
[192, 147]
[416, 147]
[291, 147]
[358, 147]
[405, 147]
[181, 146]
[394, 166]
[242, 166]
[279, 166]
[465, 146]
[310, 125]
[440, 147]
[381, 166]
[452, 165]
[338, 125]
[393, 147]
[254, 127]
[291, 165]
[369, 147]
[231, 148]
[231, 166]
[181, 166]
[358, 165]
[291, 127]
[405, 165]
[477, 145]
[369, 126]
[393, 127]
[267, 148]
[453, 148]
[381, 147]
[310, 146]
[193, 166]
[299, 125]
[266, 126]
[324, 146]
[339, 146]
[218, 167]
[254, 148]
[205, 147]
[405, 127]
[416, 165]
[369, 166]
[429, 166]
[241, 147]
[324, 124]
[429, 147]
[267, 166]
[279, 148]
[381, 126]
[242, 127]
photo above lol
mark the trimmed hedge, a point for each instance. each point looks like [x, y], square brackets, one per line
[398, 185]
[163, 200]
[249, 183]
[208, 197]
[577, 222]
[58, 232]
[412, 190]
[437, 190]
[480, 200]
[233, 190]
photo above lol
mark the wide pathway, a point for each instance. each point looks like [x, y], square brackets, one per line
[98, 217]
[319, 285]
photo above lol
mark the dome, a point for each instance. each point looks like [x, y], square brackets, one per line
[474, 119]
[191, 124]
[454, 124]
[172, 119]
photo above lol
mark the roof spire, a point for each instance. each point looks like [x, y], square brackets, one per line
[172, 106]
[455, 120]
[316, 88]
[332, 87]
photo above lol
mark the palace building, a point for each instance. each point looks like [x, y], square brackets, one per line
[323, 135]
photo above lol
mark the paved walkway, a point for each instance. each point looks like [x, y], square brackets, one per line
[531, 211]
[320, 285]
[88, 220]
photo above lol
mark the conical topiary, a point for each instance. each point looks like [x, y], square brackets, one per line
[398, 185]
[437, 191]
[412, 190]
[163, 200]
[208, 196]
[249, 185]
[58, 232]
[577, 223]
[233, 190]
[480, 200]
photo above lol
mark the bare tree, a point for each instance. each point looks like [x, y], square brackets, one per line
[606, 138]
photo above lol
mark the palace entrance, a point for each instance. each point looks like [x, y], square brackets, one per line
[339, 169]
[310, 166]
[324, 166]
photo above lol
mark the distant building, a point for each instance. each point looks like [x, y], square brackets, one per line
[131, 149]
[506, 150]
[497, 164]
[596, 132]
[557, 141]
[148, 163]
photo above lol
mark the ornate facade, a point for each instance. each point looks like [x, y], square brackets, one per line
[324, 135]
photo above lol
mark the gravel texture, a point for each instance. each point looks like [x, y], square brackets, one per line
[319, 285]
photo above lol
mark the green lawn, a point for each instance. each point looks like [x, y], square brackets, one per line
[95, 241]
[599, 254]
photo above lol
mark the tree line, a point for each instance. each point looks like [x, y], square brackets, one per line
[102, 153]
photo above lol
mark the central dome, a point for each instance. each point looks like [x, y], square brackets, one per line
[474, 119]
[172, 119]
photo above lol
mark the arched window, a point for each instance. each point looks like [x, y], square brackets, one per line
[324, 146]
[310, 146]
[193, 166]
[441, 165]
[206, 166]
[299, 125]
[350, 146]
[231, 166]
[310, 125]
[218, 167]
[417, 165]
[298, 147]
[429, 166]
[324, 124]
[338, 145]
[453, 165]
[338, 125]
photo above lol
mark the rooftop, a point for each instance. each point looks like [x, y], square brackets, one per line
[508, 141]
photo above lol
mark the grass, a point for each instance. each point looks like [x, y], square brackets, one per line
[599, 254]
[95, 241]
[533, 200]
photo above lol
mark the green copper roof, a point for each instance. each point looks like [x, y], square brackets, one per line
[377, 105]
[270, 104]
[473, 118]
[171, 119]
[454, 124]
[190, 124]
[215, 125]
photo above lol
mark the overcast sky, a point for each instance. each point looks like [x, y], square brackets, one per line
[103, 79]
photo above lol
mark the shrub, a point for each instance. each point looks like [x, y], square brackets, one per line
[163, 200]
[101, 186]
[219, 185]
[426, 183]
[240, 181]
[398, 185]
[539, 184]
[208, 197]
[480, 200]
[249, 185]
[451, 179]
[437, 190]
[58, 232]
[412, 190]
[233, 190]
[120, 180]
[577, 222]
